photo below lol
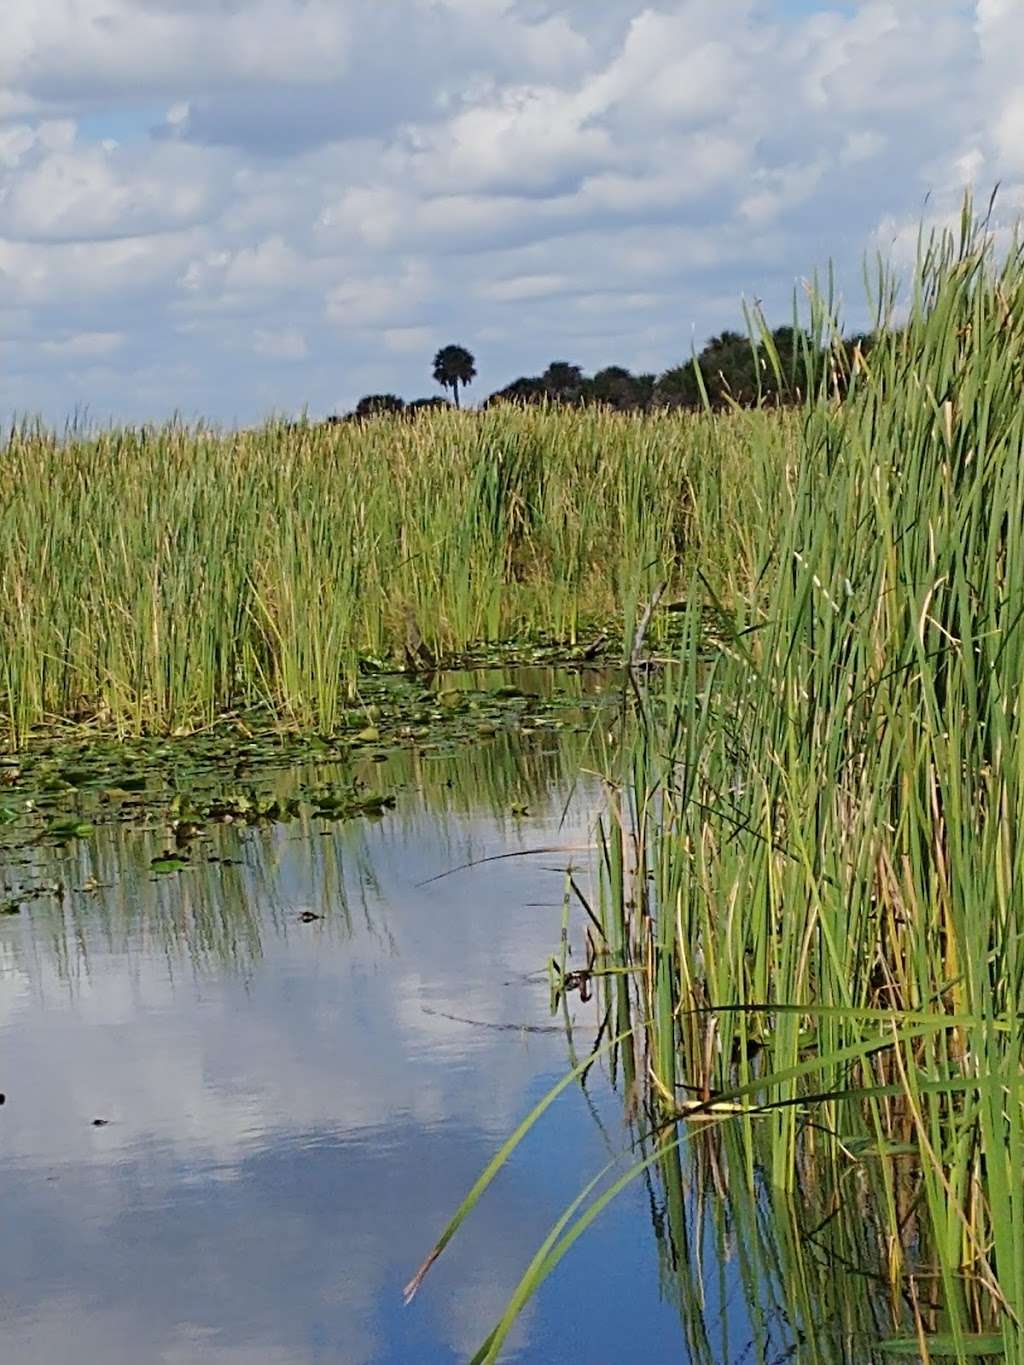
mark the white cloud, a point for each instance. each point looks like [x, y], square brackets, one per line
[55, 275]
[369, 177]
[56, 48]
[524, 287]
[862, 146]
[522, 139]
[94, 192]
[366, 301]
[287, 344]
[407, 340]
[84, 345]
[683, 65]
[780, 191]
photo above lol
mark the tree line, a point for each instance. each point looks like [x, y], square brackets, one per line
[731, 370]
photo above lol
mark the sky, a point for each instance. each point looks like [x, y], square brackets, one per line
[225, 209]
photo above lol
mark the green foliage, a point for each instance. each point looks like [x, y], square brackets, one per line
[827, 839]
[562, 382]
[375, 404]
[154, 578]
[814, 859]
[770, 369]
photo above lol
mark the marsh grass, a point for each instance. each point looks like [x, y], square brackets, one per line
[814, 857]
[155, 577]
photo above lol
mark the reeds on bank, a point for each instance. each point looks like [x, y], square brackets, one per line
[826, 813]
[158, 576]
[813, 861]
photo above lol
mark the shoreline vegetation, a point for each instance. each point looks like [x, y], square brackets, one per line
[806, 941]
[760, 369]
[809, 941]
[154, 578]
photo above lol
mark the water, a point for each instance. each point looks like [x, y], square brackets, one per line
[231, 1135]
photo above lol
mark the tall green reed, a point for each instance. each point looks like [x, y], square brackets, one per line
[834, 812]
[160, 576]
[813, 854]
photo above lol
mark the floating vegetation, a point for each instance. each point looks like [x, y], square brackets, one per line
[204, 864]
[68, 783]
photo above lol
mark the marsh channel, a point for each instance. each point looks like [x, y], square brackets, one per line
[267, 1010]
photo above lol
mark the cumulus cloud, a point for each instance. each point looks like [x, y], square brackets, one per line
[75, 192]
[73, 50]
[286, 344]
[369, 177]
[84, 345]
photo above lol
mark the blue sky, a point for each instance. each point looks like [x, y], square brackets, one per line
[226, 210]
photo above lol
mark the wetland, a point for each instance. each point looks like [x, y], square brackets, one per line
[561, 865]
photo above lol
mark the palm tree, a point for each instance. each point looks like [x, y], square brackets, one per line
[453, 365]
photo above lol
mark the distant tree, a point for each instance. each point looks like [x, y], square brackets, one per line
[453, 365]
[523, 390]
[733, 369]
[730, 365]
[644, 384]
[621, 390]
[677, 388]
[726, 341]
[375, 404]
[425, 405]
[791, 351]
[564, 382]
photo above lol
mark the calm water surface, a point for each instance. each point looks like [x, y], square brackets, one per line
[292, 1111]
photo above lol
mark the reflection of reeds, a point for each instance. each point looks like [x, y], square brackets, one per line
[216, 914]
[814, 857]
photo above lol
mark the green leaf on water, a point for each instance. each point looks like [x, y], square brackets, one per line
[370, 735]
[128, 783]
[67, 827]
[8, 815]
[77, 777]
[168, 862]
[942, 1347]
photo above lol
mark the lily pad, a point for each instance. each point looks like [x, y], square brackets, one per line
[68, 827]
[128, 783]
[167, 863]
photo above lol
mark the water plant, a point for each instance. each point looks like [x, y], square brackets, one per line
[152, 578]
[813, 932]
